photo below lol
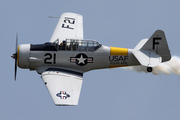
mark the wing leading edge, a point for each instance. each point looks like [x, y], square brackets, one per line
[63, 86]
[70, 26]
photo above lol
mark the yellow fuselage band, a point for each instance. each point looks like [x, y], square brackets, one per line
[118, 51]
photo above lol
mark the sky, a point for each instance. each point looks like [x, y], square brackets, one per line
[105, 94]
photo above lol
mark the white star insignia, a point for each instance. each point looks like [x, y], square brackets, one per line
[81, 60]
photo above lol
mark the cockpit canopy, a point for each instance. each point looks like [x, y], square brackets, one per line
[79, 45]
[67, 45]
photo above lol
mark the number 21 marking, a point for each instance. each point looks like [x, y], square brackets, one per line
[47, 60]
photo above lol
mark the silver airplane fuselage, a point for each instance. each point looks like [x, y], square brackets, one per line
[77, 57]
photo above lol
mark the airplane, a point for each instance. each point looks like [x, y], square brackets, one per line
[63, 60]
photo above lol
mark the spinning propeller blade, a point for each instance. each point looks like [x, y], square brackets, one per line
[14, 56]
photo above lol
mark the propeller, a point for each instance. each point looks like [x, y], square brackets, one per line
[14, 56]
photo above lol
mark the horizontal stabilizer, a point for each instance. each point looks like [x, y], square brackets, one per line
[148, 58]
[140, 44]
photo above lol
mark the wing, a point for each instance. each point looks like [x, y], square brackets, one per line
[70, 26]
[64, 86]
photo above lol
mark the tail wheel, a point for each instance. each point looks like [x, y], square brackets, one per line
[149, 69]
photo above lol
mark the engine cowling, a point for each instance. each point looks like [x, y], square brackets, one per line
[23, 56]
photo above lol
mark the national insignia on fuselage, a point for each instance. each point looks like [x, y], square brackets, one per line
[81, 59]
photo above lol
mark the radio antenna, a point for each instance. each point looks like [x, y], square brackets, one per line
[113, 42]
[53, 17]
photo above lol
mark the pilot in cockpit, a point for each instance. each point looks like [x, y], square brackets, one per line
[63, 45]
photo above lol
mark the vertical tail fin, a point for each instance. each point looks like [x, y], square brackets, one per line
[156, 43]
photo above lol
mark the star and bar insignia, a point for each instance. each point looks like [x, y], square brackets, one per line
[81, 59]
